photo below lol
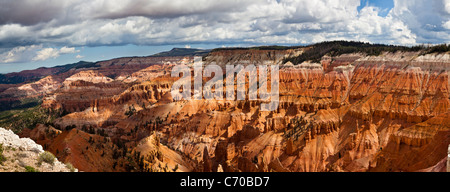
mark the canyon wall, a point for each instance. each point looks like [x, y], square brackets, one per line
[350, 112]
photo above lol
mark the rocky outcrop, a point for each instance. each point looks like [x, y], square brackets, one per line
[80, 95]
[351, 112]
[157, 157]
[9, 139]
[87, 76]
[151, 72]
[41, 134]
[448, 159]
[276, 166]
[23, 154]
[207, 164]
[410, 149]
[43, 86]
[245, 57]
[87, 152]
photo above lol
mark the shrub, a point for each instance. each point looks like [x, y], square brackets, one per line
[46, 157]
[439, 48]
[26, 117]
[131, 111]
[70, 167]
[335, 48]
[2, 158]
[30, 169]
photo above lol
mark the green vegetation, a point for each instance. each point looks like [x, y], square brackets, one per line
[299, 127]
[28, 77]
[2, 158]
[102, 132]
[182, 52]
[175, 168]
[18, 119]
[19, 104]
[17, 78]
[78, 65]
[438, 49]
[271, 47]
[89, 129]
[131, 111]
[70, 127]
[46, 157]
[335, 48]
[30, 169]
[70, 167]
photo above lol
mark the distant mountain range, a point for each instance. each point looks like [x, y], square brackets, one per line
[341, 106]
[314, 54]
[183, 52]
[36, 74]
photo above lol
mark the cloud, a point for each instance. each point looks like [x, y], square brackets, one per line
[426, 19]
[48, 53]
[30, 12]
[19, 54]
[33, 53]
[113, 9]
[79, 56]
[325, 11]
[45, 54]
[67, 50]
[446, 25]
[370, 26]
[156, 22]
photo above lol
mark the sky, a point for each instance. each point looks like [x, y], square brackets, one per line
[46, 33]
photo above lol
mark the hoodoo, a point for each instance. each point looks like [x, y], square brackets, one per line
[368, 108]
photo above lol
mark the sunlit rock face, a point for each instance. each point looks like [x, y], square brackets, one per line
[350, 112]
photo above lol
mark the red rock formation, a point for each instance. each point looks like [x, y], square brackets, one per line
[84, 151]
[44, 86]
[348, 113]
[207, 164]
[157, 157]
[42, 134]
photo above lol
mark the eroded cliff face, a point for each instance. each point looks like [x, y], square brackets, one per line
[24, 155]
[127, 70]
[247, 57]
[348, 113]
[43, 86]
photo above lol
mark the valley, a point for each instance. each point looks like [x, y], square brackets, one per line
[353, 108]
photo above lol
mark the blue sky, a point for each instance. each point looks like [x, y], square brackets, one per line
[98, 54]
[46, 33]
[91, 54]
[384, 5]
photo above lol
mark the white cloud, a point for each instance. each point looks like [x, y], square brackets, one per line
[19, 54]
[33, 53]
[320, 11]
[155, 22]
[424, 19]
[446, 25]
[79, 56]
[45, 54]
[48, 53]
[447, 6]
[66, 50]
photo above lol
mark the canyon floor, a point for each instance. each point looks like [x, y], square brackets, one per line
[347, 112]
